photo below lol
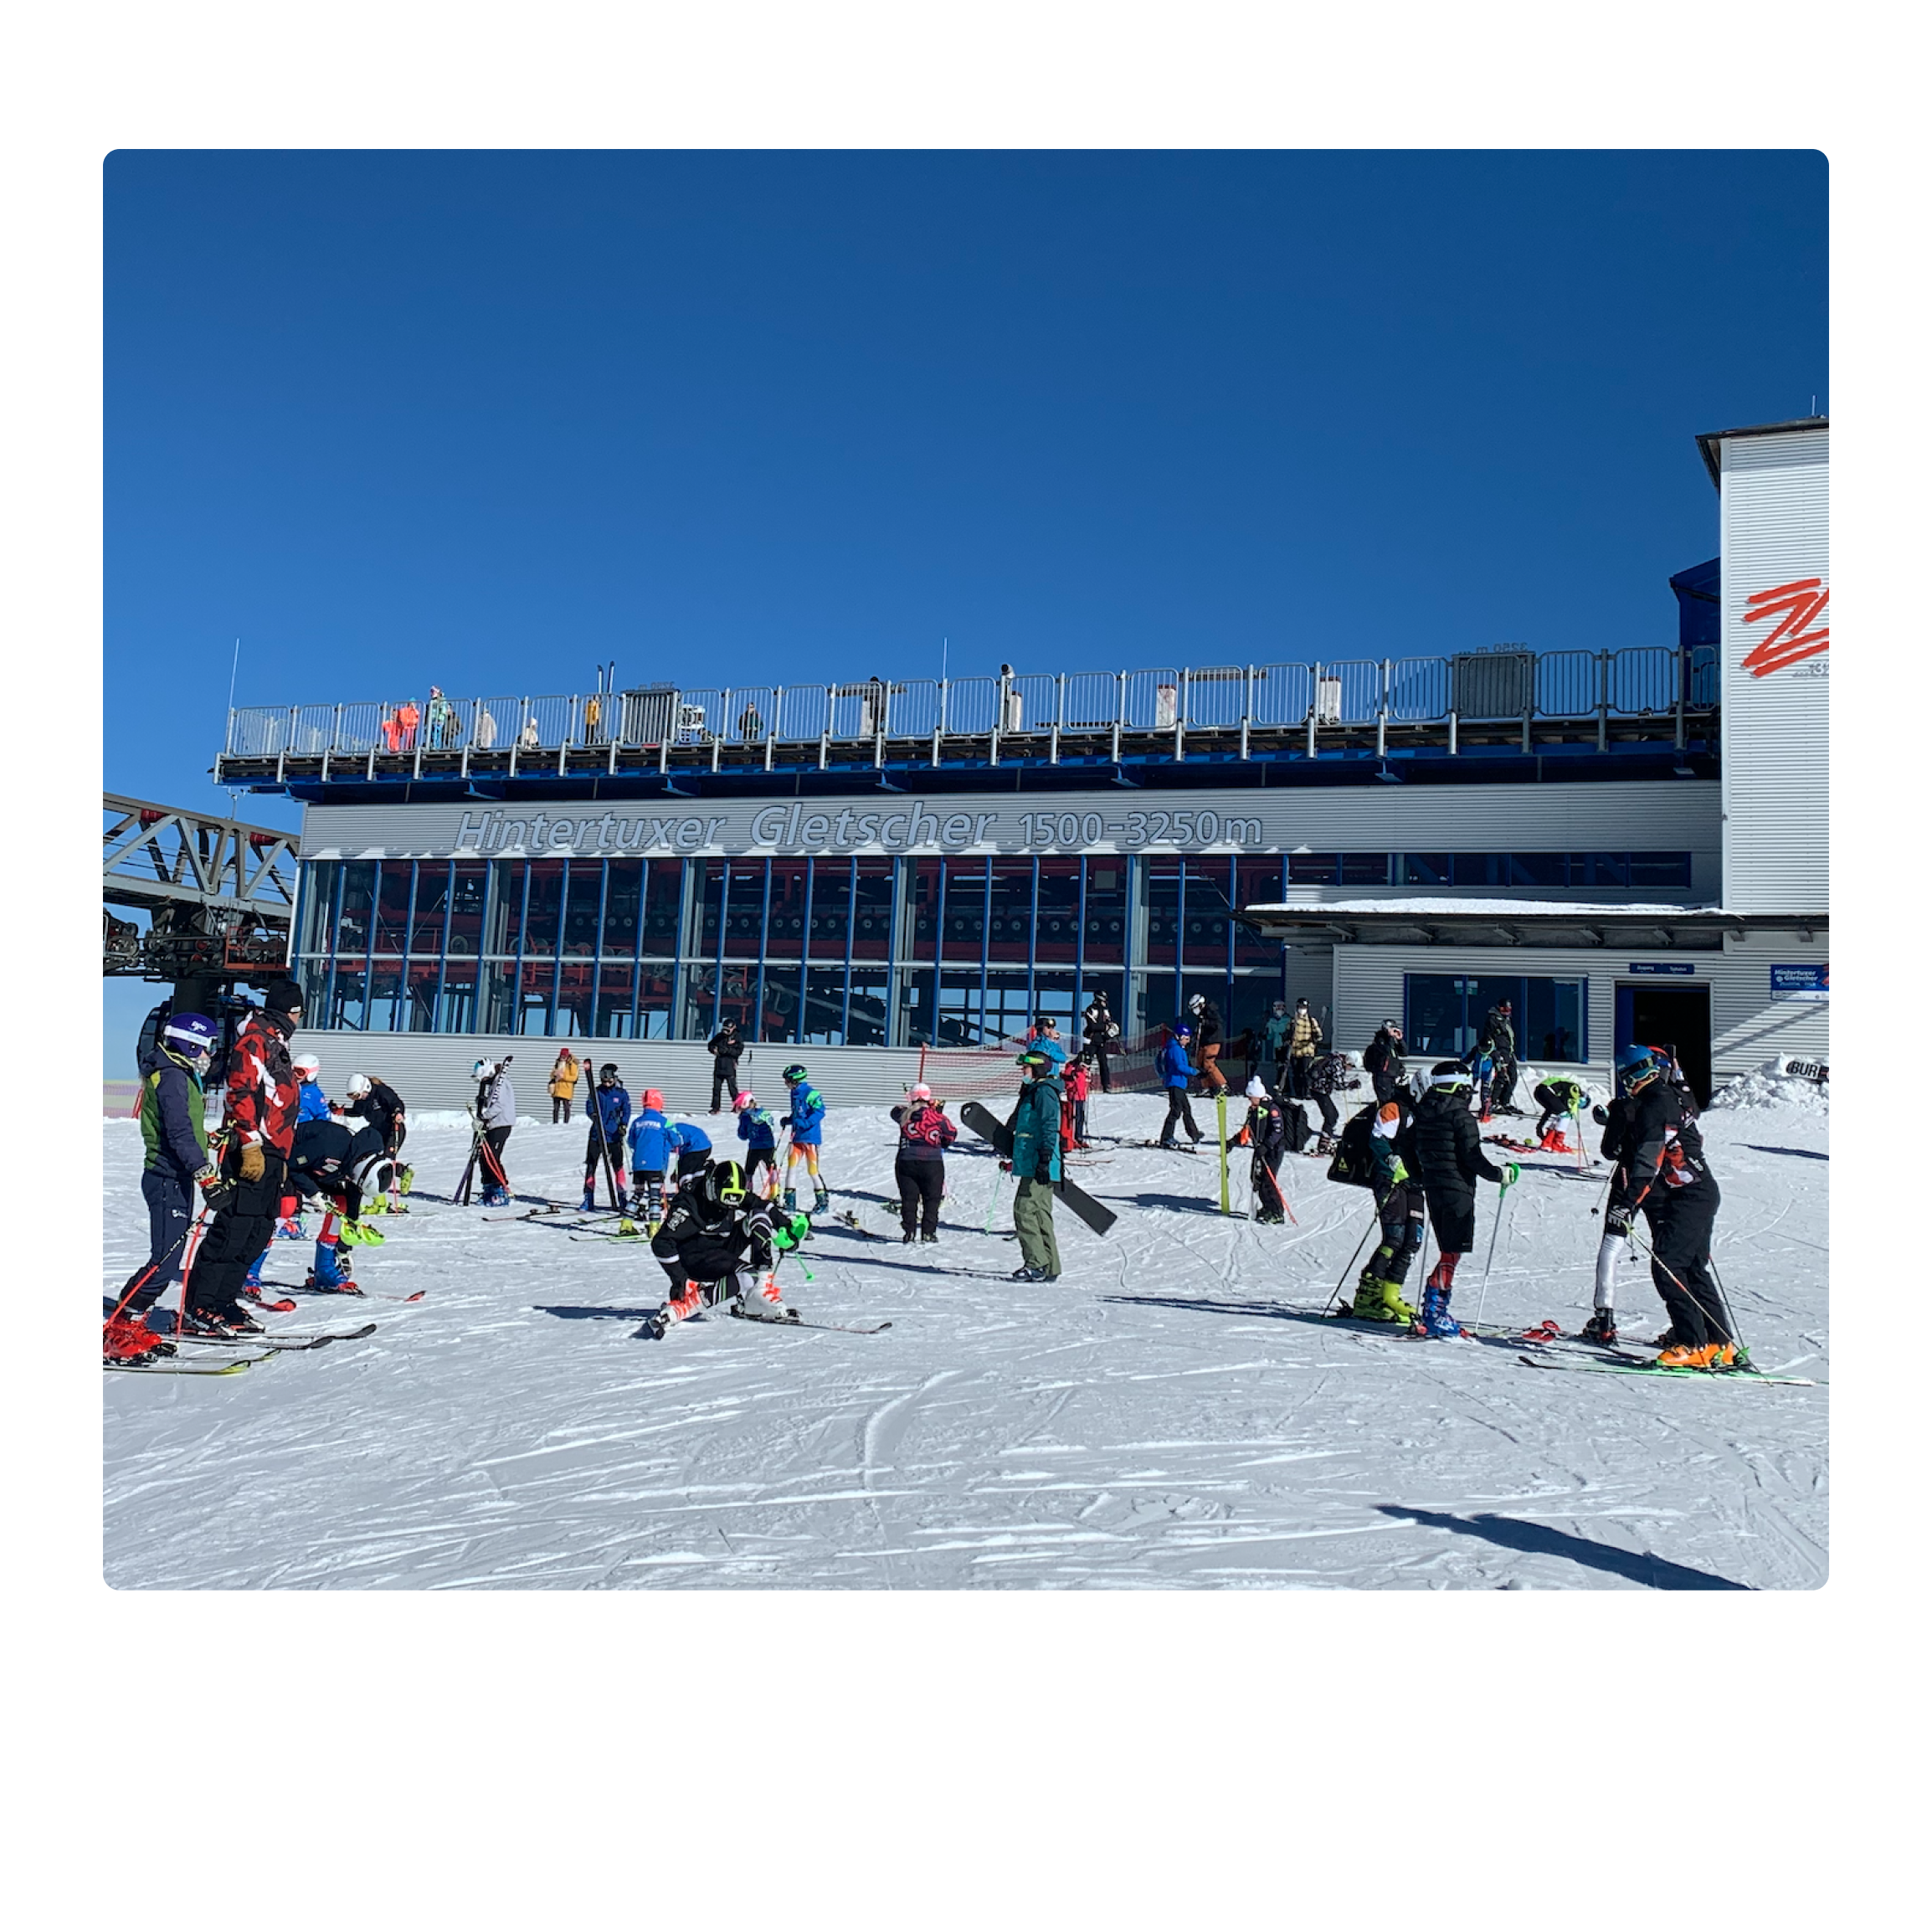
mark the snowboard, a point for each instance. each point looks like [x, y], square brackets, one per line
[998, 1134]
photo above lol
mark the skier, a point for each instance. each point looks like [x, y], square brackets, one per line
[261, 1100]
[1383, 1059]
[1097, 1035]
[1174, 1074]
[759, 1131]
[692, 1146]
[1481, 1059]
[1035, 1161]
[563, 1077]
[1327, 1074]
[806, 1122]
[374, 1102]
[1208, 1043]
[1395, 1180]
[607, 1110]
[1448, 1152]
[653, 1144]
[312, 1101]
[173, 1128]
[725, 1048]
[1561, 1099]
[1078, 1084]
[919, 1169]
[496, 1116]
[341, 1167]
[1275, 1035]
[1304, 1036]
[1499, 1036]
[1661, 1171]
[1266, 1133]
[714, 1231]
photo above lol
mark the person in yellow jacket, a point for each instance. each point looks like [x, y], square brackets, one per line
[563, 1076]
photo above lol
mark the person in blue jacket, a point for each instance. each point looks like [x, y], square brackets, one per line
[806, 1123]
[759, 1131]
[313, 1101]
[1035, 1162]
[1174, 1073]
[693, 1145]
[653, 1146]
[610, 1117]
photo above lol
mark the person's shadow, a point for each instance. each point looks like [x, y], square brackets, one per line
[1520, 1535]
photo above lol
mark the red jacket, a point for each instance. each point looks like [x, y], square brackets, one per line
[262, 1091]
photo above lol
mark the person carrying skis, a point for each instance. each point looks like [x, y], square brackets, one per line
[262, 1096]
[1304, 1037]
[806, 1122]
[176, 1162]
[653, 1150]
[563, 1077]
[726, 1048]
[1397, 1184]
[1499, 1037]
[1266, 1134]
[1662, 1172]
[1382, 1060]
[494, 1119]
[608, 1109]
[1097, 1035]
[758, 1132]
[1174, 1073]
[1561, 1100]
[341, 1167]
[1448, 1152]
[1036, 1163]
[717, 1241]
[374, 1102]
[919, 1168]
[1208, 1043]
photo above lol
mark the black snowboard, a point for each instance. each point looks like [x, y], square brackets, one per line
[998, 1134]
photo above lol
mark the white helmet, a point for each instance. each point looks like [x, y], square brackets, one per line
[358, 1086]
[481, 1070]
[923, 1092]
[308, 1066]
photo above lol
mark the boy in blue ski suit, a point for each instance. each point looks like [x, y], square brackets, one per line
[806, 1124]
[1174, 1073]
[759, 1132]
[609, 1115]
[652, 1143]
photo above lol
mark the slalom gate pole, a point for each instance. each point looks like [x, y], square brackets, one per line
[1350, 1266]
[1221, 1130]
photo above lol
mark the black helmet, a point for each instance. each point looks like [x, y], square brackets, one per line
[607, 1075]
[1100, 998]
[793, 1075]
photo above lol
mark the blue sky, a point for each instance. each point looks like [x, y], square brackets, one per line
[490, 419]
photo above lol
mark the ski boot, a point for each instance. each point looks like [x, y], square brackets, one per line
[1436, 1322]
[1033, 1275]
[405, 1177]
[655, 1325]
[929, 1237]
[205, 1324]
[1380, 1301]
[128, 1342]
[1601, 1328]
[590, 1201]
[291, 1227]
[1697, 1357]
[791, 1198]
[910, 1238]
[762, 1299]
[824, 1203]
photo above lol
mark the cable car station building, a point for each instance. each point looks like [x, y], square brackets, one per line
[1630, 842]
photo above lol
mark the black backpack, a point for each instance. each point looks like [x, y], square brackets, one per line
[1354, 1163]
[1299, 1131]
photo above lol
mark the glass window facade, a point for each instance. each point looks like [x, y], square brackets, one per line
[1443, 1014]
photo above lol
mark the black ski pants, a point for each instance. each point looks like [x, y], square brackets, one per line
[724, 1078]
[1502, 1088]
[922, 1181]
[1179, 1112]
[489, 1157]
[598, 1150]
[1399, 1209]
[1265, 1174]
[237, 1236]
[1100, 1066]
[1330, 1116]
[170, 1199]
[1452, 1215]
[1681, 1218]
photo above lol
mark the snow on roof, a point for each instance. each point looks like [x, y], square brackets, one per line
[1489, 908]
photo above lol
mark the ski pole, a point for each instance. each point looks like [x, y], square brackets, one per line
[1731, 1324]
[140, 1278]
[998, 1190]
[1348, 1266]
[1482, 1297]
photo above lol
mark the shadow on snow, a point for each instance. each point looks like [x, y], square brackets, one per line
[1519, 1534]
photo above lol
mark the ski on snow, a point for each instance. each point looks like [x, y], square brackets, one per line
[227, 1370]
[1606, 1366]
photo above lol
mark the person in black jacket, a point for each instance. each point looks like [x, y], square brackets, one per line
[374, 1102]
[1383, 1061]
[1652, 1135]
[1448, 1154]
[1207, 1027]
[1397, 1186]
[1327, 1074]
[1098, 1033]
[726, 1047]
[343, 1166]
[718, 1241]
[1499, 1035]
[1266, 1132]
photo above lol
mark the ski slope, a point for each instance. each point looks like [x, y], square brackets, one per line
[1162, 1417]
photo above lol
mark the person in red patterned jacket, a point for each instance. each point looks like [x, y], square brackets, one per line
[263, 1096]
[925, 1132]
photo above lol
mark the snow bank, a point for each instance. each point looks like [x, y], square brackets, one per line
[1769, 1085]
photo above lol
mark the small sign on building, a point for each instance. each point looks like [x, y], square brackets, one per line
[1801, 981]
[1654, 967]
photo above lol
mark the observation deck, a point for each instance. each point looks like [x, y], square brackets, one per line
[1472, 717]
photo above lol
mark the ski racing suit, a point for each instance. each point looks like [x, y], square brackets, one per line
[608, 1111]
[1397, 1189]
[706, 1242]
[758, 1132]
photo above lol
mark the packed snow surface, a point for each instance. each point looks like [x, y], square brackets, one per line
[1172, 1413]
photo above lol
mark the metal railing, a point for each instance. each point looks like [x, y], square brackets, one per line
[558, 731]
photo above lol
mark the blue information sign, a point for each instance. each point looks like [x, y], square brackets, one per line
[1675, 971]
[1801, 981]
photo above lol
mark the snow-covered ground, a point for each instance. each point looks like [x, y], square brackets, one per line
[1163, 1417]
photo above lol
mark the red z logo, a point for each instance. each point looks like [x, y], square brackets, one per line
[1795, 637]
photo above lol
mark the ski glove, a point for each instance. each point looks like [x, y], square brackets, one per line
[1617, 1221]
[1511, 1173]
[1399, 1175]
[1597, 1112]
[252, 1163]
[793, 1233]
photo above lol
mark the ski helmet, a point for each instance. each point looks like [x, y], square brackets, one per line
[1184, 1030]
[1195, 1003]
[308, 1065]
[793, 1075]
[358, 1085]
[191, 1031]
[1635, 1067]
[1100, 998]
[607, 1075]
[745, 1101]
[379, 1172]
[923, 1092]
[654, 1100]
[1451, 1075]
[482, 1069]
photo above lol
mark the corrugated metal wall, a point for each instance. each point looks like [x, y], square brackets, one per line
[1748, 1026]
[1774, 519]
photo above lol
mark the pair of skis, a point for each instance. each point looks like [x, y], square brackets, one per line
[268, 1348]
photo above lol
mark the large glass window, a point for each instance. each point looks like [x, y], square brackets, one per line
[1257, 881]
[469, 890]
[392, 932]
[456, 1011]
[867, 1025]
[654, 1001]
[1160, 900]
[872, 921]
[1433, 1018]
[357, 907]
[1105, 913]
[623, 902]
[664, 902]
[1206, 907]
[582, 908]
[745, 915]
[785, 926]
[1444, 1013]
[432, 899]
[542, 905]
[825, 1009]
[1010, 911]
[1549, 1021]
[1057, 919]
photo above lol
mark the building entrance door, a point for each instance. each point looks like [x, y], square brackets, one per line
[1677, 1018]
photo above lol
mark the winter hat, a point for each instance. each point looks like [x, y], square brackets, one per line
[654, 1100]
[1256, 1089]
[284, 995]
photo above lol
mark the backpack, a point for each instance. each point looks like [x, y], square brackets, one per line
[1299, 1130]
[1354, 1163]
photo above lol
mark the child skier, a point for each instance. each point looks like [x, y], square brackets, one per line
[1078, 1083]
[608, 1111]
[1267, 1134]
[759, 1132]
[1397, 1186]
[1561, 1099]
[717, 1241]
[806, 1123]
[1448, 1149]
[652, 1146]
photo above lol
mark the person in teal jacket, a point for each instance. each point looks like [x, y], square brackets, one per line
[1035, 1162]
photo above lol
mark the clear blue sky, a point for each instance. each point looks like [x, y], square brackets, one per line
[490, 419]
